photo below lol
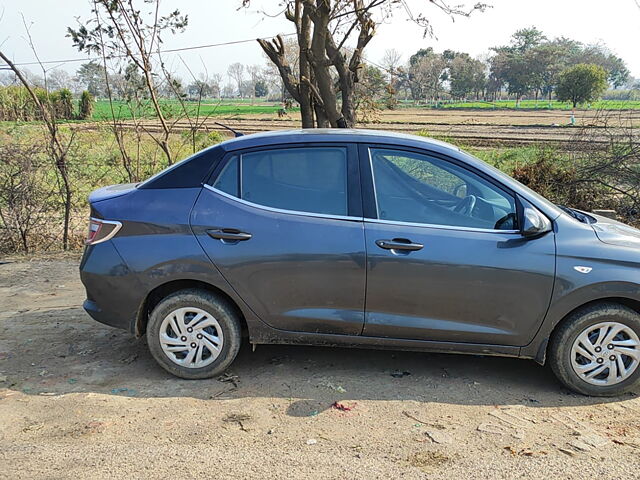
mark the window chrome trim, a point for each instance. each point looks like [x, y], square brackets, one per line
[415, 224]
[282, 210]
[373, 181]
[111, 234]
[441, 227]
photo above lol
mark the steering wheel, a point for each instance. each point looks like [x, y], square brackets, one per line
[466, 205]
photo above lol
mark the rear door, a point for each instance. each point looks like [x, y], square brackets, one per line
[284, 225]
[446, 261]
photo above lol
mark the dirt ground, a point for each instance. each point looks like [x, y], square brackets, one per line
[82, 400]
[481, 128]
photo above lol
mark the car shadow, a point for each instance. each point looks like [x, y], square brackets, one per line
[59, 352]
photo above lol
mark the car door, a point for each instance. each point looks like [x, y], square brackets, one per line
[284, 226]
[445, 259]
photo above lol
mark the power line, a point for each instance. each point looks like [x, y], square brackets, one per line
[172, 50]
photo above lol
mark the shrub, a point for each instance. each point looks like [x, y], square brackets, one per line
[16, 105]
[562, 183]
[85, 105]
[62, 103]
[26, 206]
[593, 173]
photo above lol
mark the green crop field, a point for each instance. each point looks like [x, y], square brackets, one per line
[239, 107]
[206, 108]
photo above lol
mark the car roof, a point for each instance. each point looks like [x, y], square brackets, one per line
[321, 135]
[343, 135]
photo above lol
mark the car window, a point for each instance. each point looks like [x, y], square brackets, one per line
[417, 188]
[228, 179]
[310, 179]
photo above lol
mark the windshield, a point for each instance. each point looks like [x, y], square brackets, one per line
[577, 214]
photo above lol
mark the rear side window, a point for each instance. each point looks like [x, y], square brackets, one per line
[228, 179]
[312, 179]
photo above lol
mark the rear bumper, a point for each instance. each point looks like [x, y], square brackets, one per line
[106, 317]
[114, 294]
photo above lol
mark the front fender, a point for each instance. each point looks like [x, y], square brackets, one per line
[566, 302]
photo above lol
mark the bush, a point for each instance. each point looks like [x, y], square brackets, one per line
[16, 104]
[85, 105]
[26, 206]
[62, 103]
[622, 95]
[593, 173]
[202, 140]
[562, 183]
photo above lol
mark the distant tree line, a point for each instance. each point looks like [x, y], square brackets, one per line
[531, 65]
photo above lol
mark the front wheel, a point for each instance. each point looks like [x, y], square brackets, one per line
[194, 334]
[596, 351]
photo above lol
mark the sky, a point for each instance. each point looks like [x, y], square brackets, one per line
[616, 23]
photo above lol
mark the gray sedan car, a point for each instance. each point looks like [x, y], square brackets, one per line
[366, 239]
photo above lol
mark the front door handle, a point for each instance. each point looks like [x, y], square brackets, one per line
[399, 244]
[228, 234]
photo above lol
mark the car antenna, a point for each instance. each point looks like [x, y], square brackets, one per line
[235, 132]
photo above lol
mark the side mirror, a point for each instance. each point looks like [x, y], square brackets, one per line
[534, 222]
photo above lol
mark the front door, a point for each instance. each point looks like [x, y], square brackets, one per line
[284, 227]
[445, 260]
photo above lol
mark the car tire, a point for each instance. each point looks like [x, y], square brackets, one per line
[573, 368]
[173, 312]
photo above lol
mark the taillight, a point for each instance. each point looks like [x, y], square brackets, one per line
[101, 230]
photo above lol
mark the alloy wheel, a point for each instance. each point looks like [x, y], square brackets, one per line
[606, 353]
[191, 337]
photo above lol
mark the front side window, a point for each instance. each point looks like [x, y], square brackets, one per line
[411, 187]
[310, 179]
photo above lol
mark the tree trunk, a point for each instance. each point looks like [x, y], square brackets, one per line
[315, 90]
[275, 51]
[321, 117]
[346, 82]
[319, 61]
[306, 102]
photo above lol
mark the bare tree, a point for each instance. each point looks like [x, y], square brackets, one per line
[272, 73]
[228, 91]
[58, 79]
[323, 28]
[7, 78]
[58, 145]
[236, 73]
[391, 60]
[120, 28]
[200, 87]
[216, 81]
[255, 74]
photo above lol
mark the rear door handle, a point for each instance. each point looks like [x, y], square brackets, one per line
[229, 234]
[399, 244]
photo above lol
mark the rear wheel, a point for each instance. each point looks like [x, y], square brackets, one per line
[194, 334]
[596, 351]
